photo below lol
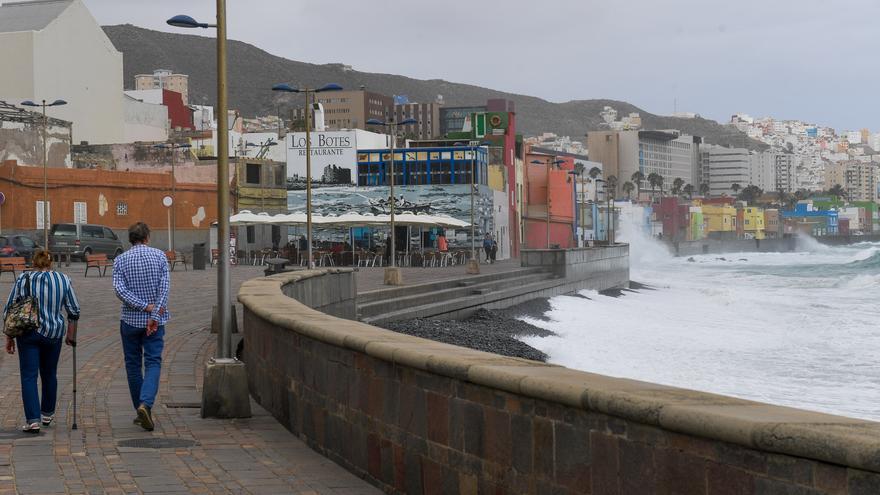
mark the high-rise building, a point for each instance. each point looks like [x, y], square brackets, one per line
[858, 179]
[164, 79]
[669, 153]
[723, 167]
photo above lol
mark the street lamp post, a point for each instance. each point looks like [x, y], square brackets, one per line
[56, 103]
[224, 392]
[574, 174]
[473, 267]
[392, 273]
[286, 88]
[173, 147]
[548, 165]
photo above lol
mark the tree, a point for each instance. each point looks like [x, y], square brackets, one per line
[677, 184]
[656, 180]
[579, 168]
[611, 183]
[628, 189]
[735, 187]
[637, 179]
[704, 189]
[689, 190]
[594, 172]
[750, 194]
[837, 190]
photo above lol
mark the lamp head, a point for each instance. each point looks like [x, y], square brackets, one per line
[29, 103]
[330, 87]
[287, 88]
[408, 121]
[185, 21]
[376, 122]
[57, 103]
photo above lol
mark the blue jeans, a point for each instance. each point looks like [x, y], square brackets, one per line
[143, 362]
[38, 355]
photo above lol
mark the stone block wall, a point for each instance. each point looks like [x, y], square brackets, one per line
[416, 416]
[605, 266]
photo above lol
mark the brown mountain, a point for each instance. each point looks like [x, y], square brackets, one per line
[252, 72]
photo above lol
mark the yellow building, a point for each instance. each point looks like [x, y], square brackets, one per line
[496, 177]
[719, 218]
[753, 222]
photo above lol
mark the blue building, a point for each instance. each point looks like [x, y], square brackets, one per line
[423, 166]
[804, 216]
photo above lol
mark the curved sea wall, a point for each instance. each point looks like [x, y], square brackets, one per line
[417, 416]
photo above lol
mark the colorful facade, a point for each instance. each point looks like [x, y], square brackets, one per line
[752, 223]
[720, 220]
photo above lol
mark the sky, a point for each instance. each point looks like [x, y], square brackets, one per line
[789, 59]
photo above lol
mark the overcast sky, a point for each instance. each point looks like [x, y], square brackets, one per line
[807, 59]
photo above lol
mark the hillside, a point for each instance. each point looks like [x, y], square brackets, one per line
[253, 71]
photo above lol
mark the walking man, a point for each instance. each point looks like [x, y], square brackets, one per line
[141, 282]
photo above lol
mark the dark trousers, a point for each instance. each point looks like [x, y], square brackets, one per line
[38, 356]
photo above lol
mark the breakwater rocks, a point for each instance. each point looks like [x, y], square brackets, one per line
[489, 331]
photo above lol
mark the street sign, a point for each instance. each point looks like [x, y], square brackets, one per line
[167, 201]
[2, 198]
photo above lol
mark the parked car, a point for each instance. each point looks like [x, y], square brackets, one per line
[17, 246]
[80, 240]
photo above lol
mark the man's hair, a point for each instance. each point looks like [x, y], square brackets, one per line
[138, 233]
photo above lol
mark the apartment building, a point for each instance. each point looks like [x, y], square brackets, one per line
[164, 79]
[352, 109]
[723, 167]
[858, 179]
[427, 116]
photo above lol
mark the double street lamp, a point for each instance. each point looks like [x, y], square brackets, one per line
[392, 274]
[44, 104]
[286, 88]
[173, 147]
[548, 164]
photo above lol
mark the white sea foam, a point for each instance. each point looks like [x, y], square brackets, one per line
[796, 329]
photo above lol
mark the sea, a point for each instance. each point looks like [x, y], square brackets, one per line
[797, 329]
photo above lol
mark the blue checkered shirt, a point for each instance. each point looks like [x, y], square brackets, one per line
[140, 278]
[53, 291]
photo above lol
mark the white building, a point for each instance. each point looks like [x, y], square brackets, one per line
[723, 167]
[54, 49]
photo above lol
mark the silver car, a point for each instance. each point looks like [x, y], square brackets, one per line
[80, 240]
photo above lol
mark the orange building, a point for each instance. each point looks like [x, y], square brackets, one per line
[560, 205]
[114, 199]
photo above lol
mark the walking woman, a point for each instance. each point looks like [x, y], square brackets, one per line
[39, 350]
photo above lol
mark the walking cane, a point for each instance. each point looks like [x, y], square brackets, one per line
[73, 345]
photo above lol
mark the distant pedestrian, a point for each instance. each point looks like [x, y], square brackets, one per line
[141, 281]
[493, 250]
[442, 243]
[39, 350]
[487, 247]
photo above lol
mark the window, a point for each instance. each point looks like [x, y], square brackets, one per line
[109, 234]
[92, 231]
[26, 242]
[40, 224]
[252, 173]
[64, 229]
[251, 234]
[79, 212]
[121, 208]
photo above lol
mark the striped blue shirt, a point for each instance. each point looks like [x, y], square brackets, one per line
[140, 278]
[53, 291]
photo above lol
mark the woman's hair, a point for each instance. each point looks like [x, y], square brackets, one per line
[42, 259]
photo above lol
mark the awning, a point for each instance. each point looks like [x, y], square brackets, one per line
[246, 217]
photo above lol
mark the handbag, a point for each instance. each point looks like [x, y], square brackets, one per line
[24, 313]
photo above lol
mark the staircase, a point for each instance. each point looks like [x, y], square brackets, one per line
[455, 298]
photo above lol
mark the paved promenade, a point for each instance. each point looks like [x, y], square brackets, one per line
[255, 456]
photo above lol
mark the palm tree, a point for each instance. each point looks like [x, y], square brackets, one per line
[677, 184]
[704, 189]
[689, 190]
[637, 179]
[628, 189]
[579, 168]
[594, 172]
[837, 190]
[611, 183]
[735, 187]
[655, 180]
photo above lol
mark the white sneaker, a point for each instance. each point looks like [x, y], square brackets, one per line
[47, 420]
[33, 428]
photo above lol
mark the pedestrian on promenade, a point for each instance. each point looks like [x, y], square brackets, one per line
[141, 282]
[487, 247]
[39, 350]
[493, 249]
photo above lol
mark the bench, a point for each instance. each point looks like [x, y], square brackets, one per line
[174, 258]
[98, 261]
[13, 264]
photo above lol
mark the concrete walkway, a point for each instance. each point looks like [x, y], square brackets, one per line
[106, 453]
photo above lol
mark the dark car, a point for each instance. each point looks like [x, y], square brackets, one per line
[17, 246]
[80, 240]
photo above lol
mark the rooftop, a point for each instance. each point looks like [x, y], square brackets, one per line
[30, 16]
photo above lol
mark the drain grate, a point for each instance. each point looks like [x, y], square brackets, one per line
[158, 443]
[183, 405]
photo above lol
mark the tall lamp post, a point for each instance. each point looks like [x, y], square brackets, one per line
[574, 176]
[392, 273]
[224, 392]
[548, 164]
[286, 88]
[473, 267]
[173, 147]
[56, 103]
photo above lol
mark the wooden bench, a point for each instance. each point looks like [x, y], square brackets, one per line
[174, 258]
[98, 261]
[13, 264]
